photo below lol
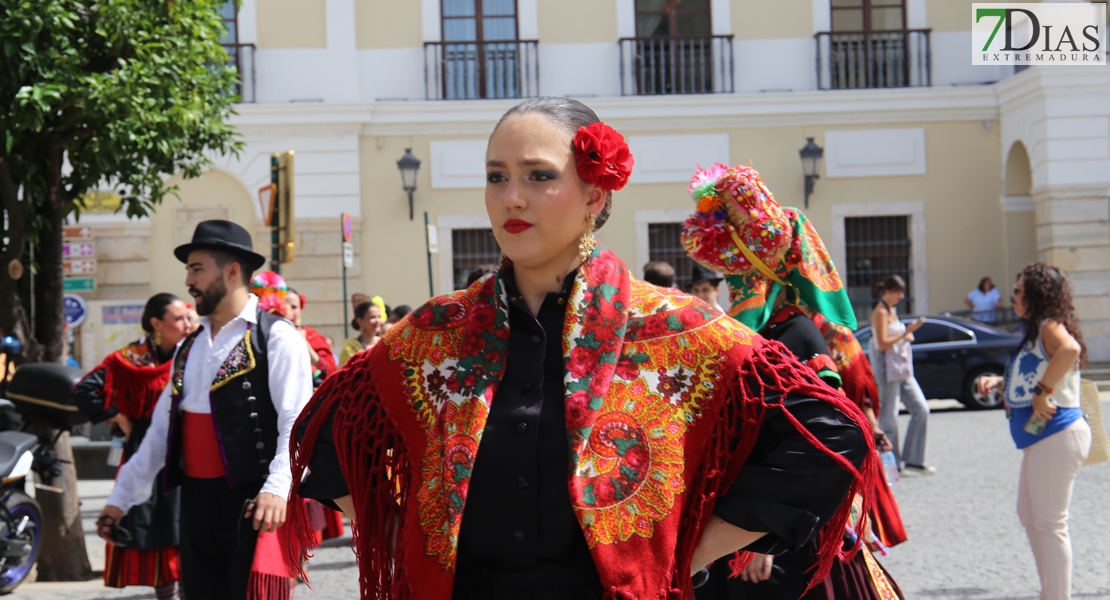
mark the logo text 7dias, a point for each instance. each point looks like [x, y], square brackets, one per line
[1056, 33]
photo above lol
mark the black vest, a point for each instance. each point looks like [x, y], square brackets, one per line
[242, 409]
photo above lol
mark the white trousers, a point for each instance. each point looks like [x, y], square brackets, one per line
[1048, 472]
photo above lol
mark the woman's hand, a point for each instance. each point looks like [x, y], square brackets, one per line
[124, 424]
[987, 384]
[1043, 407]
[882, 442]
[719, 538]
[912, 327]
[759, 570]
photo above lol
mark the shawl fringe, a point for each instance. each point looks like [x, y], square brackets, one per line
[773, 367]
[131, 388]
[375, 460]
[263, 586]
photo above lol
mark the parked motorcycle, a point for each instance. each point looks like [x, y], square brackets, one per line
[35, 393]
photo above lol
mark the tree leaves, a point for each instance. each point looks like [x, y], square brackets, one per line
[130, 91]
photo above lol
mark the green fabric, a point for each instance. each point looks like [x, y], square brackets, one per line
[807, 269]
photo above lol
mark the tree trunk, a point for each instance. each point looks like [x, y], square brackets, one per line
[63, 556]
[13, 272]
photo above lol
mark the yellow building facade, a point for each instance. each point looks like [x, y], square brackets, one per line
[933, 168]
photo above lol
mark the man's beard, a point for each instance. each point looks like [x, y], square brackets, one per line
[209, 299]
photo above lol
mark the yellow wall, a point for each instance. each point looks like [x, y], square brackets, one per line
[213, 195]
[951, 15]
[763, 20]
[577, 21]
[292, 24]
[387, 24]
[961, 205]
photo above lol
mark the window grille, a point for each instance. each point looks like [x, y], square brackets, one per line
[471, 248]
[665, 244]
[876, 247]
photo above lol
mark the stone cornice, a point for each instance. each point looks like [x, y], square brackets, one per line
[641, 113]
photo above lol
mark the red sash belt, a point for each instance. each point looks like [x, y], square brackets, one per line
[200, 448]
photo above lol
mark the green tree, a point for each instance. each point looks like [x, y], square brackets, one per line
[95, 94]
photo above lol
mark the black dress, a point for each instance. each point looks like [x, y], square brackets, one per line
[520, 539]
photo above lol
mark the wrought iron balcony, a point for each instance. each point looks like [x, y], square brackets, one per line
[676, 65]
[848, 60]
[241, 56]
[470, 70]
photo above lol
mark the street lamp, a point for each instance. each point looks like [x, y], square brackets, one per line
[811, 155]
[408, 165]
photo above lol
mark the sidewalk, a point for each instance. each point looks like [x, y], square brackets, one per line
[333, 572]
[93, 494]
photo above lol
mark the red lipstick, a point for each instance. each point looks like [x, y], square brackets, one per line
[516, 225]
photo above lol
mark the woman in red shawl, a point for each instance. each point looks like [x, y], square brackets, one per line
[122, 391]
[562, 430]
[319, 351]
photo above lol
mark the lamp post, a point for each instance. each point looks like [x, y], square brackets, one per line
[811, 155]
[408, 165]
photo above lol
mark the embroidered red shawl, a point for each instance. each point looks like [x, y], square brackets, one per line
[664, 402]
[133, 380]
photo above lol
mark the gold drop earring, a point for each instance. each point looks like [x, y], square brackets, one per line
[587, 242]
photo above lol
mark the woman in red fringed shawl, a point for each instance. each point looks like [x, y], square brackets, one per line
[783, 283]
[561, 429]
[122, 391]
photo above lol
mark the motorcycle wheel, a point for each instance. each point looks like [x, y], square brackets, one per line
[14, 570]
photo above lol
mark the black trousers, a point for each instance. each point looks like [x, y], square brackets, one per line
[217, 543]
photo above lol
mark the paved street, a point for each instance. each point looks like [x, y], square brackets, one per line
[965, 541]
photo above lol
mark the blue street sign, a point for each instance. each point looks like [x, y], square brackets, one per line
[75, 310]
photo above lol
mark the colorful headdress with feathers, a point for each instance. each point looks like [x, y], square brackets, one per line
[271, 291]
[762, 248]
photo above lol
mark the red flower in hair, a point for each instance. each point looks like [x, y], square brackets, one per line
[602, 156]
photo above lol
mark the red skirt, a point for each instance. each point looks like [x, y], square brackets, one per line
[155, 568]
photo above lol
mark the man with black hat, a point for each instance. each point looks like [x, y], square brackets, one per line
[221, 427]
[704, 284]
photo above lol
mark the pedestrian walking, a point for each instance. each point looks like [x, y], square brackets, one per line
[221, 426]
[892, 362]
[1041, 390]
[563, 429]
[122, 391]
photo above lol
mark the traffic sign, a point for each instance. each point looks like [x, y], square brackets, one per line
[433, 240]
[79, 284]
[76, 309]
[346, 227]
[81, 266]
[78, 249]
[77, 233]
[348, 254]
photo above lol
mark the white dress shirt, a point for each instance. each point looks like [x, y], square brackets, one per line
[290, 389]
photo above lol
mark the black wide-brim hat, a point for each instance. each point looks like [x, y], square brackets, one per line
[699, 274]
[224, 236]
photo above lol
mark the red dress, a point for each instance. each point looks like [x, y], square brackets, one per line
[129, 382]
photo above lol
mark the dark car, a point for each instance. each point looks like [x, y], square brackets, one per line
[950, 352]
